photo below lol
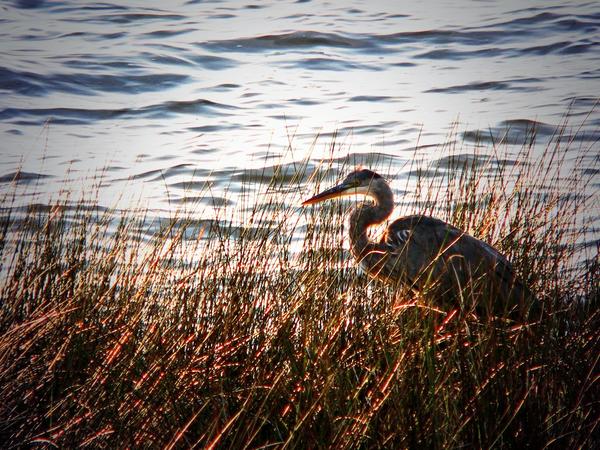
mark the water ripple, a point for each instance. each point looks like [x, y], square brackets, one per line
[520, 131]
[443, 37]
[22, 177]
[508, 85]
[329, 64]
[35, 84]
[72, 116]
[129, 18]
[214, 84]
[29, 4]
[292, 40]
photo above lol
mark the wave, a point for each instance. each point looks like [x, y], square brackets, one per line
[35, 84]
[74, 116]
[21, 177]
[332, 64]
[176, 170]
[507, 85]
[443, 37]
[291, 40]
[521, 131]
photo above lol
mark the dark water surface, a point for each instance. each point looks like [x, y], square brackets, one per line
[157, 98]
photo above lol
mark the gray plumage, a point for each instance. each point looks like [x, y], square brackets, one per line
[425, 253]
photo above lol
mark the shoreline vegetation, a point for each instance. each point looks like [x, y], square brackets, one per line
[221, 336]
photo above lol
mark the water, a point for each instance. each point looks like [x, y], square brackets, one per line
[157, 98]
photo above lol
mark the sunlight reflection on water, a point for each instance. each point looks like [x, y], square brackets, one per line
[159, 102]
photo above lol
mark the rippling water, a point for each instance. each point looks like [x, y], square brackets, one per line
[156, 98]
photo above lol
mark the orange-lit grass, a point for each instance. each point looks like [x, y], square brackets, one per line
[232, 339]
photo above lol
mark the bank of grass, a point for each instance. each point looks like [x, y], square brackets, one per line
[214, 335]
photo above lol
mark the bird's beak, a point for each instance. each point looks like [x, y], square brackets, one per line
[336, 191]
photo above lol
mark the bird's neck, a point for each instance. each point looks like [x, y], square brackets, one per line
[363, 217]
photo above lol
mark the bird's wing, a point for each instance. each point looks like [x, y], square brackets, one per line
[424, 243]
[413, 246]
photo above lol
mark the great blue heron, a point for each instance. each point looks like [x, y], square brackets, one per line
[425, 253]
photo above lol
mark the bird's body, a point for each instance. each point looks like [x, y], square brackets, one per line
[424, 253]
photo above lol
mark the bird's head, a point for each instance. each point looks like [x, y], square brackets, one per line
[359, 182]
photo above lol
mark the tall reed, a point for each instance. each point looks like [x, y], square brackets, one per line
[264, 334]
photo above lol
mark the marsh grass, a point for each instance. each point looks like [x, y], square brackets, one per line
[215, 334]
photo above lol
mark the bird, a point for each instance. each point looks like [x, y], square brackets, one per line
[426, 254]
